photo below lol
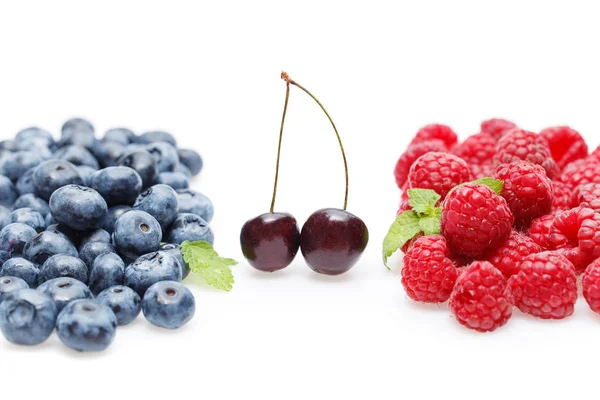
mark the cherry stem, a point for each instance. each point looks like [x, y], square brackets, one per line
[287, 97]
[290, 81]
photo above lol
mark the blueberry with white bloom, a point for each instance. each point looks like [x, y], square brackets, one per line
[123, 301]
[169, 305]
[191, 160]
[151, 268]
[189, 227]
[183, 169]
[108, 154]
[78, 207]
[77, 155]
[26, 216]
[35, 133]
[136, 233]
[193, 202]
[107, 270]
[65, 290]
[79, 132]
[86, 325]
[91, 250]
[33, 202]
[46, 244]
[63, 266]
[25, 184]
[8, 192]
[114, 213]
[165, 155]
[86, 172]
[27, 317]
[22, 269]
[175, 251]
[157, 136]
[176, 180]
[14, 165]
[123, 136]
[53, 174]
[161, 202]
[10, 284]
[98, 235]
[118, 185]
[143, 163]
[14, 237]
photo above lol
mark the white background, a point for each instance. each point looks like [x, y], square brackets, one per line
[209, 73]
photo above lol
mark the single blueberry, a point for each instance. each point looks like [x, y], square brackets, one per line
[114, 213]
[123, 136]
[33, 202]
[165, 155]
[65, 290]
[63, 266]
[14, 237]
[8, 192]
[38, 146]
[195, 203]
[183, 169]
[78, 207]
[191, 160]
[35, 133]
[189, 227]
[9, 145]
[86, 325]
[25, 183]
[99, 235]
[136, 233]
[26, 216]
[86, 172]
[27, 317]
[151, 268]
[91, 250]
[53, 174]
[161, 202]
[10, 284]
[125, 303]
[169, 305]
[108, 153]
[143, 163]
[118, 185]
[157, 136]
[108, 270]
[69, 234]
[79, 132]
[176, 180]
[14, 165]
[77, 155]
[23, 269]
[175, 251]
[46, 244]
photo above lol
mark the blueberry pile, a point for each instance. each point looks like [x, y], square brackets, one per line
[91, 232]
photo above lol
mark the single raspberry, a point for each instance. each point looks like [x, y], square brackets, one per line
[581, 172]
[481, 171]
[478, 149]
[591, 286]
[566, 145]
[519, 144]
[527, 190]
[429, 274]
[481, 299]
[439, 172]
[545, 286]
[436, 132]
[563, 197]
[509, 256]
[588, 196]
[543, 233]
[581, 230]
[496, 127]
[411, 154]
[475, 219]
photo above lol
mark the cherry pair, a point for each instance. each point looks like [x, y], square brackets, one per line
[331, 240]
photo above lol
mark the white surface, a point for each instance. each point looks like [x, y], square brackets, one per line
[210, 74]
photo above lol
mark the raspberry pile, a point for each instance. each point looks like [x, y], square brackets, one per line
[507, 218]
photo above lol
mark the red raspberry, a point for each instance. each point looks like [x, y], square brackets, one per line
[429, 274]
[527, 190]
[545, 286]
[588, 196]
[477, 149]
[410, 156]
[563, 197]
[481, 299]
[543, 233]
[566, 145]
[581, 230]
[591, 286]
[439, 172]
[475, 219]
[596, 153]
[519, 144]
[509, 256]
[436, 132]
[581, 172]
[496, 127]
[481, 171]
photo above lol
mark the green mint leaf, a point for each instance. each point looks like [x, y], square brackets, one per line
[423, 201]
[495, 184]
[430, 225]
[206, 262]
[405, 227]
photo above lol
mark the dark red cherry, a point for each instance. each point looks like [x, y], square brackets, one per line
[270, 241]
[332, 241]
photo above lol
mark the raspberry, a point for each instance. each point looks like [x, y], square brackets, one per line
[477, 149]
[543, 233]
[596, 153]
[566, 145]
[439, 172]
[475, 219]
[509, 256]
[527, 190]
[581, 172]
[429, 274]
[410, 156]
[496, 127]
[591, 286]
[545, 286]
[519, 144]
[481, 299]
[436, 132]
[588, 196]
[563, 197]
[481, 171]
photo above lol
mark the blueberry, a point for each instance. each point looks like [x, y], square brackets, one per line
[169, 305]
[25, 183]
[91, 250]
[49, 220]
[108, 153]
[107, 270]
[175, 251]
[77, 155]
[46, 244]
[143, 163]
[63, 266]
[23, 269]
[65, 290]
[10, 284]
[151, 268]
[136, 233]
[86, 172]
[160, 201]
[114, 213]
[123, 301]
[4, 212]
[191, 160]
[183, 169]
[27, 317]
[78, 207]
[195, 203]
[69, 234]
[99, 235]
[53, 174]
[86, 325]
[26, 216]
[176, 180]
[118, 185]
[9, 145]
[38, 146]
[189, 227]
[33, 202]
[14, 237]
[157, 136]
[123, 136]
[8, 192]
[165, 155]
[79, 132]
[14, 165]
[4, 256]
[35, 133]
